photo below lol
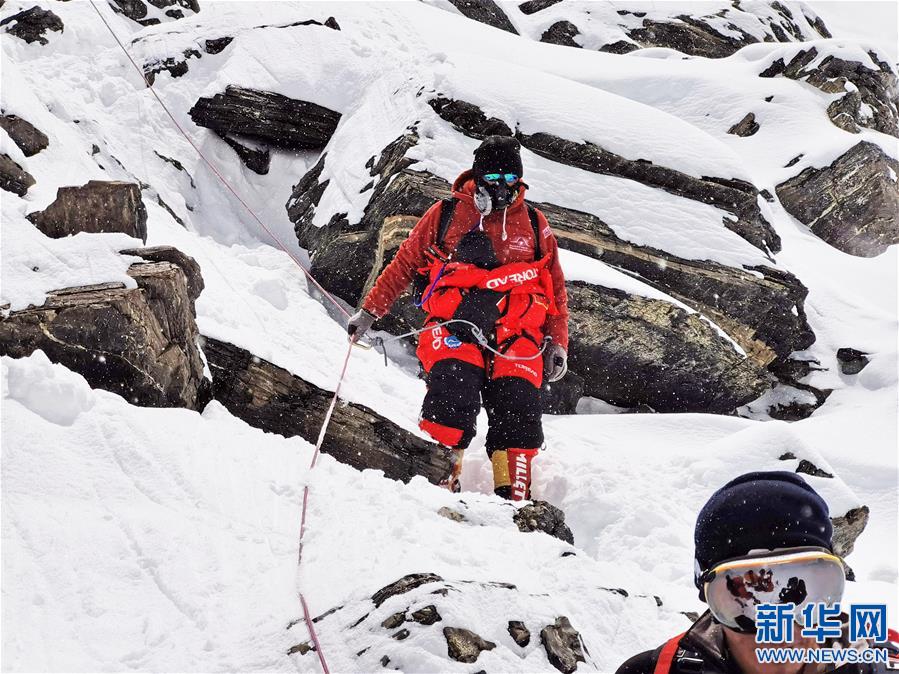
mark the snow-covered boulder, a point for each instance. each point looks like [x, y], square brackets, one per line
[138, 342]
[97, 206]
[869, 86]
[853, 204]
[425, 623]
[32, 24]
[715, 30]
[271, 398]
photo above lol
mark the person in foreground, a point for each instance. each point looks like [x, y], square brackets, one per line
[763, 538]
[487, 258]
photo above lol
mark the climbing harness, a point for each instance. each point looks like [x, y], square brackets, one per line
[475, 330]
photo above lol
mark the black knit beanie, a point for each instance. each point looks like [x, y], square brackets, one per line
[498, 154]
[760, 511]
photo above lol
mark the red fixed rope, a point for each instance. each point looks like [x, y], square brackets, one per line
[321, 435]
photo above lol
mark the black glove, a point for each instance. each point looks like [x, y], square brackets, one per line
[555, 363]
[359, 324]
[478, 306]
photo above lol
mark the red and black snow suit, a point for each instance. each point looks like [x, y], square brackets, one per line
[528, 294]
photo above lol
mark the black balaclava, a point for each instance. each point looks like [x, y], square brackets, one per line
[497, 154]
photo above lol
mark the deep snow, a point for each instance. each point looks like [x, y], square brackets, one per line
[166, 540]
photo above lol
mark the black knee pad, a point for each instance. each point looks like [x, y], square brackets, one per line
[515, 413]
[454, 397]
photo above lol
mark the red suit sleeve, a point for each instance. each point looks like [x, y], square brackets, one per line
[556, 326]
[408, 259]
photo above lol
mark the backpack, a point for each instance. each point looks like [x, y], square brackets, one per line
[447, 208]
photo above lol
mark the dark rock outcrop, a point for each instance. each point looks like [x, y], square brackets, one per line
[30, 139]
[32, 24]
[271, 398]
[137, 10]
[138, 342]
[561, 33]
[485, 11]
[98, 206]
[268, 118]
[403, 585]
[872, 101]
[463, 645]
[745, 127]
[184, 262]
[734, 196]
[534, 6]
[563, 645]
[852, 361]
[562, 397]
[13, 178]
[853, 204]
[847, 528]
[520, 634]
[633, 350]
[545, 517]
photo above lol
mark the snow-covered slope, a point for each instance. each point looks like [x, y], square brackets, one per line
[153, 539]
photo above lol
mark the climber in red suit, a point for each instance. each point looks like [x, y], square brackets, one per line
[493, 261]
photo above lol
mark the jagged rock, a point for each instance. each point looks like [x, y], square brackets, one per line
[485, 11]
[32, 24]
[545, 517]
[561, 33]
[402, 634]
[853, 204]
[137, 10]
[217, 45]
[266, 117]
[98, 206]
[257, 160]
[451, 514]
[13, 178]
[563, 645]
[176, 67]
[633, 350]
[745, 127]
[394, 620]
[852, 361]
[561, 397]
[427, 615]
[138, 342]
[520, 634]
[870, 96]
[271, 398]
[761, 308]
[24, 134]
[533, 6]
[302, 648]
[188, 265]
[847, 528]
[808, 468]
[464, 645]
[403, 585]
[737, 197]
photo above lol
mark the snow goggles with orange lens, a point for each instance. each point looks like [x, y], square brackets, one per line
[734, 588]
[510, 178]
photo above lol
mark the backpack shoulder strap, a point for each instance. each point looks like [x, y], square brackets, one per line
[446, 216]
[535, 225]
[666, 655]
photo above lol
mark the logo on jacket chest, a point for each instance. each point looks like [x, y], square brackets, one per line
[520, 243]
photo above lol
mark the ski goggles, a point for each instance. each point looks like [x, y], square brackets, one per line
[734, 588]
[510, 178]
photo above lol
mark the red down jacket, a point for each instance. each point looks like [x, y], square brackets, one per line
[518, 247]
